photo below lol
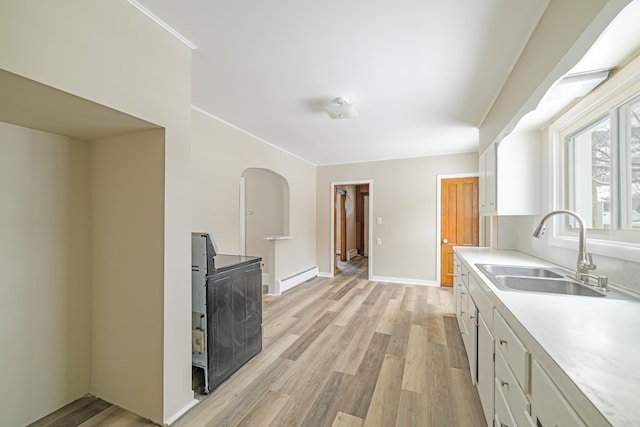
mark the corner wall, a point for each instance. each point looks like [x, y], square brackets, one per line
[44, 272]
[127, 244]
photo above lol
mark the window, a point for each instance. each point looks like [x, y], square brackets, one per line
[630, 155]
[602, 171]
[589, 181]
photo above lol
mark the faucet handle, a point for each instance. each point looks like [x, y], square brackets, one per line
[590, 265]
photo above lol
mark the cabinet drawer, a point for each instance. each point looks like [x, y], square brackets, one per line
[548, 405]
[485, 307]
[513, 394]
[503, 415]
[471, 339]
[463, 310]
[515, 353]
[464, 275]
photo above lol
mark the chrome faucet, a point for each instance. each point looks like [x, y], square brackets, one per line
[585, 260]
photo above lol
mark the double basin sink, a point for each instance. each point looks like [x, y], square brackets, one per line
[536, 279]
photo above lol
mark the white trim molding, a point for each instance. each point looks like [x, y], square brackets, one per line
[404, 281]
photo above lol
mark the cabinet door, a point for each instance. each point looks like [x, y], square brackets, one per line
[471, 342]
[491, 175]
[549, 407]
[482, 184]
[461, 313]
[487, 168]
[485, 368]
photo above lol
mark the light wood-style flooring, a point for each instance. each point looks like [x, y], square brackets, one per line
[343, 352]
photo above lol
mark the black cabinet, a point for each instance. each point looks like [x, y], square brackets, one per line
[234, 312]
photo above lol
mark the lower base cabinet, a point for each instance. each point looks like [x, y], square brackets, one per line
[549, 408]
[485, 368]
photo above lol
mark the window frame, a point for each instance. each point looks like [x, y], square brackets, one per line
[606, 100]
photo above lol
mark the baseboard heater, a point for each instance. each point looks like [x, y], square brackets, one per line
[352, 254]
[296, 279]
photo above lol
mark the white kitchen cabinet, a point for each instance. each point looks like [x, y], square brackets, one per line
[510, 176]
[470, 339]
[514, 351]
[549, 407]
[461, 293]
[487, 190]
[457, 286]
[485, 368]
[503, 415]
[515, 397]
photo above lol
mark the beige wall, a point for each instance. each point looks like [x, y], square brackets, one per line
[404, 195]
[44, 272]
[111, 54]
[127, 222]
[565, 32]
[219, 156]
[265, 210]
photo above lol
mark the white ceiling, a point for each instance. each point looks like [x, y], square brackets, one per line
[422, 73]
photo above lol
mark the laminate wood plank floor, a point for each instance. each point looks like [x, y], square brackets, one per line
[338, 352]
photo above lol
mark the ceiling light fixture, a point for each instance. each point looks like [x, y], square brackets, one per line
[341, 108]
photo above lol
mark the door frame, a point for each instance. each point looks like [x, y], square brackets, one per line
[332, 246]
[439, 179]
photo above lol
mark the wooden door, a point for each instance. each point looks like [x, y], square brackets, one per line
[459, 221]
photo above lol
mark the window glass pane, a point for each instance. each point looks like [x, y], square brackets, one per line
[590, 153]
[632, 158]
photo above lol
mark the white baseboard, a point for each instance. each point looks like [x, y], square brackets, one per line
[296, 279]
[181, 412]
[390, 280]
[403, 281]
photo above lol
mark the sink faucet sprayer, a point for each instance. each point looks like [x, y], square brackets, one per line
[585, 260]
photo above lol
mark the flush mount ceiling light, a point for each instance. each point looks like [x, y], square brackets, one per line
[341, 108]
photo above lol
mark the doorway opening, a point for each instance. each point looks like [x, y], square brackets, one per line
[264, 216]
[351, 230]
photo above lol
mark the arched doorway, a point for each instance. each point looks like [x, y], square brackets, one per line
[264, 212]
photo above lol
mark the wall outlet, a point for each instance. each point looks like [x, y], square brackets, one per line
[379, 241]
[379, 220]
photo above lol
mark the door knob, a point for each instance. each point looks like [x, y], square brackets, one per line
[445, 241]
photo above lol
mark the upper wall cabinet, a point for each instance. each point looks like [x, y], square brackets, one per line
[510, 176]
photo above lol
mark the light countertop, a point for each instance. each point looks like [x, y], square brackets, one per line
[595, 341]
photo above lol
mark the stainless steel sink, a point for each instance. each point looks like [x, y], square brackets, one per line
[553, 286]
[536, 279]
[507, 270]
[544, 280]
